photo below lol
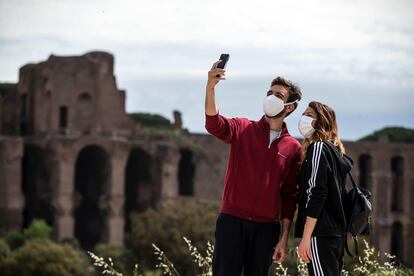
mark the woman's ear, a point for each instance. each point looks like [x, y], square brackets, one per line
[313, 123]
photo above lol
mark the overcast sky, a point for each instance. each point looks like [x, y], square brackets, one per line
[357, 56]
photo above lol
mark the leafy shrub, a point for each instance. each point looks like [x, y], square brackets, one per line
[4, 248]
[38, 229]
[14, 239]
[43, 257]
[165, 227]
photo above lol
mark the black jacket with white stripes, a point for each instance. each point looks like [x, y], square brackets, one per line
[321, 188]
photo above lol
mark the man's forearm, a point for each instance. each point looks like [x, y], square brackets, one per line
[286, 224]
[210, 104]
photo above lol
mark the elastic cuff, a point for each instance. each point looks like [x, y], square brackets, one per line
[212, 121]
[313, 214]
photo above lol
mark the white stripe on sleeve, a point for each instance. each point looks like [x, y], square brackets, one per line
[316, 156]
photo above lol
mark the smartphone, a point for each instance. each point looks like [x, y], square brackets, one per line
[224, 58]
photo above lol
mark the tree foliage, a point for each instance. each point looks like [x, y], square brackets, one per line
[166, 227]
[151, 120]
[394, 134]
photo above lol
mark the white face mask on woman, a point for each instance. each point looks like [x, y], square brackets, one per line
[305, 126]
[273, 105]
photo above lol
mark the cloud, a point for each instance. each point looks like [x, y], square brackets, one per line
[356, 55]
[259, 23]
[386, 63]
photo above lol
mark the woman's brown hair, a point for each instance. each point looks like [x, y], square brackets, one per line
[326, 128]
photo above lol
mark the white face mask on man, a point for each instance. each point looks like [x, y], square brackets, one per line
[273, 105]
[305, 126]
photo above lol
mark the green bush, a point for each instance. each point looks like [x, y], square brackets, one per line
[42, 257]
[165, 227]
[4, 248]
[38, 229]
[14, 239]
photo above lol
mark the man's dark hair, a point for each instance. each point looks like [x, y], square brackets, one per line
[293, 89]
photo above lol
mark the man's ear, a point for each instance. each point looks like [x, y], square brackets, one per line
[291, 108]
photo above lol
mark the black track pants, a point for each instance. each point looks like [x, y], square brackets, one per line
[327, 254]
[243, 246]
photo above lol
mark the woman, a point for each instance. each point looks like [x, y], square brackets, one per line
[321, 221]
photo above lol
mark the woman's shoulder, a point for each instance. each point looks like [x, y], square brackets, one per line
[317, 145]
[317, 149]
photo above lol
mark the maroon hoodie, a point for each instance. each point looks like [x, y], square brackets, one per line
[261, 180]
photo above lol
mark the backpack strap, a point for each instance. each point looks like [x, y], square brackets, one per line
[335, 172]
[352, 180]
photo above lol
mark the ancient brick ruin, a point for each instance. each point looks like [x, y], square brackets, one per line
[71, 155]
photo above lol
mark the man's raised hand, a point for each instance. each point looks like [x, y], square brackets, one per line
[215, 75]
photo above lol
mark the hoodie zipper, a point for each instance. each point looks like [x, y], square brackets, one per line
[271, 143]
[268, 155]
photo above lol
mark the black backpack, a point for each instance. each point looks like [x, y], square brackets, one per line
[357, 209]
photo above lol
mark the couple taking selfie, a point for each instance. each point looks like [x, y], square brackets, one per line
[269, 173]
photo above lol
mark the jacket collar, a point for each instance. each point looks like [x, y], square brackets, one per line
[265, 127]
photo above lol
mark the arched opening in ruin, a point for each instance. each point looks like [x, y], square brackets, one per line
[48, 108]
[138, 184]
[84, 113]
[186, 172]
[63, 117]
[397, 240]
[36, 186]
[365, 171]
[92, 174]
[397, 184]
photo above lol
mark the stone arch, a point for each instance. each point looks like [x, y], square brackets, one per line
[84, 112]
[365, 171]
[397, 240]
[92, 178]
[139, 181]
[36, 186]
[186, 173]
[397, 184]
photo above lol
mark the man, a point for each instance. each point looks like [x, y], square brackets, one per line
[260, 184]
